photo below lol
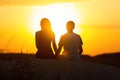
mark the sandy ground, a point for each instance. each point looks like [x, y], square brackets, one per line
[51, 69]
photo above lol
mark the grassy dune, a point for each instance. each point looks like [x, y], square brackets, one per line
[27, 67]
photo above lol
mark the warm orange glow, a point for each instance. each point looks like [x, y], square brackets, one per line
[97, 19]
[58, 14]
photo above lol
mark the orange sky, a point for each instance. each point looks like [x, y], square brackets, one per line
[97, 21]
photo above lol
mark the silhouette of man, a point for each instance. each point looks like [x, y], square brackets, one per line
[43, 39]
[71, 42]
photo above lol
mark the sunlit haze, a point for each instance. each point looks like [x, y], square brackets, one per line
[58, 14]
[97, 21]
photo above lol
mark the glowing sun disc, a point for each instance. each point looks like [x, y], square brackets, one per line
[58, 14]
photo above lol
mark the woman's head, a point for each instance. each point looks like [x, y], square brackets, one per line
[45, 24]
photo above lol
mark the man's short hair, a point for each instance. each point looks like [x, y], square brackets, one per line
[70, 25]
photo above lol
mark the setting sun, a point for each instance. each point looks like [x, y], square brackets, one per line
[58, 14]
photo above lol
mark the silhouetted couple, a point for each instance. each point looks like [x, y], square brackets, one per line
[71, 42]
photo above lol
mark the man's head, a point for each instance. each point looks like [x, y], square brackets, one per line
[70, 26]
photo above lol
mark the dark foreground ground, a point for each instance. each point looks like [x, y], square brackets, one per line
[112, 59]
[27, 67]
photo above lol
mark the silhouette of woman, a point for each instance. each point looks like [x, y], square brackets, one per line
[44, 38]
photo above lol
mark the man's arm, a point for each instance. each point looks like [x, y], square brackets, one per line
[60, 46]
[80, 47]
[59, 50]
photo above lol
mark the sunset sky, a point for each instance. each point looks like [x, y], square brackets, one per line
[97, 21]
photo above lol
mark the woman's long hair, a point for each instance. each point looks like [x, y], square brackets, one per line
[46, 26]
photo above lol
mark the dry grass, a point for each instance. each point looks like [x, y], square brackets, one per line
[26, 67]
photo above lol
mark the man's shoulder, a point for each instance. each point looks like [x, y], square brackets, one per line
[75, 35]
[70, 34]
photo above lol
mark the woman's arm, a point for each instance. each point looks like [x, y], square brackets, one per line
[54, 44]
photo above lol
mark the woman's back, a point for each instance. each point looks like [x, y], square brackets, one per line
[44, 38]
[43, 42]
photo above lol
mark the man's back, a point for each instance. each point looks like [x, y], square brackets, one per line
[71, 43]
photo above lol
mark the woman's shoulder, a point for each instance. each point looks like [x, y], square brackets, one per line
[38, 32]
